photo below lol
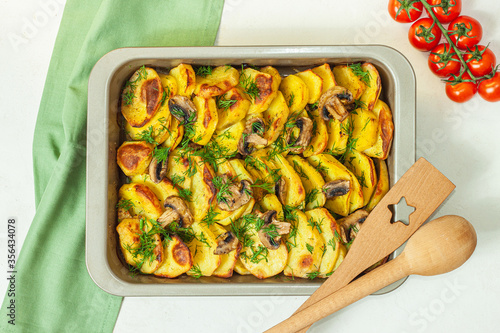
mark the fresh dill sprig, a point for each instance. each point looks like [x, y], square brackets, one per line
[195, 271]
[249, 85]
[224, 104]
[125, 204]
[314, 224]
[204, 71]
[311, 196]
[148, 136]
[161, 154]
[309, 248]
[359, 72]
[312, 275]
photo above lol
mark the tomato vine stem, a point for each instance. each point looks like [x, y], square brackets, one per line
[447, 37]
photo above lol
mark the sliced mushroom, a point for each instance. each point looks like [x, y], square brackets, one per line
[157, 170]
[176, 209]
[280, 190]
[300, 144]
[336, 188]
[182, 108]
[349, 225]
[272, 230]
[335, 103]
[226, 243]
[252, 136]
[235, 195]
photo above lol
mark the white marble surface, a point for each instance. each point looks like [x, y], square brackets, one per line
[458, 139]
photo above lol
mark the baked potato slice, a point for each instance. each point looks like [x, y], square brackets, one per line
[240, 268]
[363, 169]
[141, 97]
[157, 128]
[295, 92]
[180, 170]
[311, 180]
[176, 132]
[314, 84]
[365, 126]
[177, 258]
[326, 74]
[331, 171]
[202, 189]
[169, 84]
[385, 132]
[162, 190]
[319, 140]
[202, 248]
[293, 194]
[230, 112]
[275, 74]
[322, 219]
[260, 87]
[206, 120]
[185, 78]
[382, 184]
[340, 258]
[220, 80]
[228, 138]
[337, 135]
[374, 86]
[305, 248]
[356, 201]
[240, 171]
[227, 260]
[133, 157]
[346, 77]
[275, 118]
[140, 245]
[260, 261]
[243, 210]
[271, 202]
[143, 201]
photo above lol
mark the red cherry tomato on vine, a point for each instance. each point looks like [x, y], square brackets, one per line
[443, 61]
[424, 35]
[480, 60]
[489, 89]
[446, 10]
[465, 32]
[405, 11]
[462, 91]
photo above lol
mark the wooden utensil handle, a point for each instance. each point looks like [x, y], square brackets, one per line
[369, 283]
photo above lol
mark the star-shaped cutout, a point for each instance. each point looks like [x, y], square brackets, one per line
[403, 211]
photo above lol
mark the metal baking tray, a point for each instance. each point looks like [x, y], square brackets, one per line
[103, 133]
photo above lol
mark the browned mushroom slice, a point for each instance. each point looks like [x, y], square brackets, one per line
[226, 243]
[336, 188]
[252, 136]
[234, 195]
[349, 225]
[182, 108]
[272, 230]
[157, 170]
[177, 210]
[299, 144]
[335, 103]
[280, 190]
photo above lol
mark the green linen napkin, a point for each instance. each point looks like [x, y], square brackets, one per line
[54, 292]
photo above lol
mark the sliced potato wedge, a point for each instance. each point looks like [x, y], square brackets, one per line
[311, 180]
[220, 80]
[157, 127]
[374, 86]
[275, 118]
[202, 189]
[162, 190]
[364, 170]
[365, 126]
[229, 137]
[133, 157]
[202, 247]
[337, 135]
[231, 112]
[260, 87]
[314, 84]
[176, 132]
[345, 77]
[185, 78]
[382, 184]
[385, 132]
[319, 140]
[145, 203]
[294, 192]
[206, 121]
[228, 260]
[177, 259]
[295, 92]
[325, 72]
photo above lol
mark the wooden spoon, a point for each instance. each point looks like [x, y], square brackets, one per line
[438, 247]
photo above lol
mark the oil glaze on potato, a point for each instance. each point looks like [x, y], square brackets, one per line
[234, 113]
[314, 84]
[145, 203]
[202, 247]
[364, 170]
[325, 72]
[264, 92]
[382, 186]
[345, 77]
[177, 258]
[185, 78]
[385, 132]
[133, 157]
[295, 92]
[220, 80]
[374, 86]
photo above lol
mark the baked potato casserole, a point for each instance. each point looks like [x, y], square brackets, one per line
[249, 170]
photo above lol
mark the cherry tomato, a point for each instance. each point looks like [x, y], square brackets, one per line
[405, 11]
[489, 89]
[480, 60]
[462, 91]
[465, 32]
[424, 35]
[443, 61]
[446, 10]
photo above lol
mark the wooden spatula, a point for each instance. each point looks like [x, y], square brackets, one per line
[424, 188]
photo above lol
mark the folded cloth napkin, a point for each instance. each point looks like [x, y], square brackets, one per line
[53, 291]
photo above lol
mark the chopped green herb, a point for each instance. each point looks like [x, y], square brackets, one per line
[204, 71]
[359, 72]
[310, 248]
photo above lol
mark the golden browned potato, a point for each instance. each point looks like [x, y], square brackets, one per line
[330, 231]
[157, 128]
[177, 258]
[319, 140]
[206, 120]
[275, 74]
[164, 189]
[144, 201]
[220, 80]
[271, 202]
[347, 78]
[305, 248]
[260, 88]
[133, 157]
[227, 260]
[325, 72]
[337, 135]
[374, 86]
[311, 180]
[169, 84]
[365, 126]
[202, 189]
[202, 247]
[240, 268]
[140, 246]
[382, 184]
[175, 134]
[242, 211]
[293, 194]
[180, 170]
[141, 97]
[232, 108]
[228, 138]
[185, 78]
[385, 132]
[314, 84]
[364, 170]
[295, 92]
[275, 118]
